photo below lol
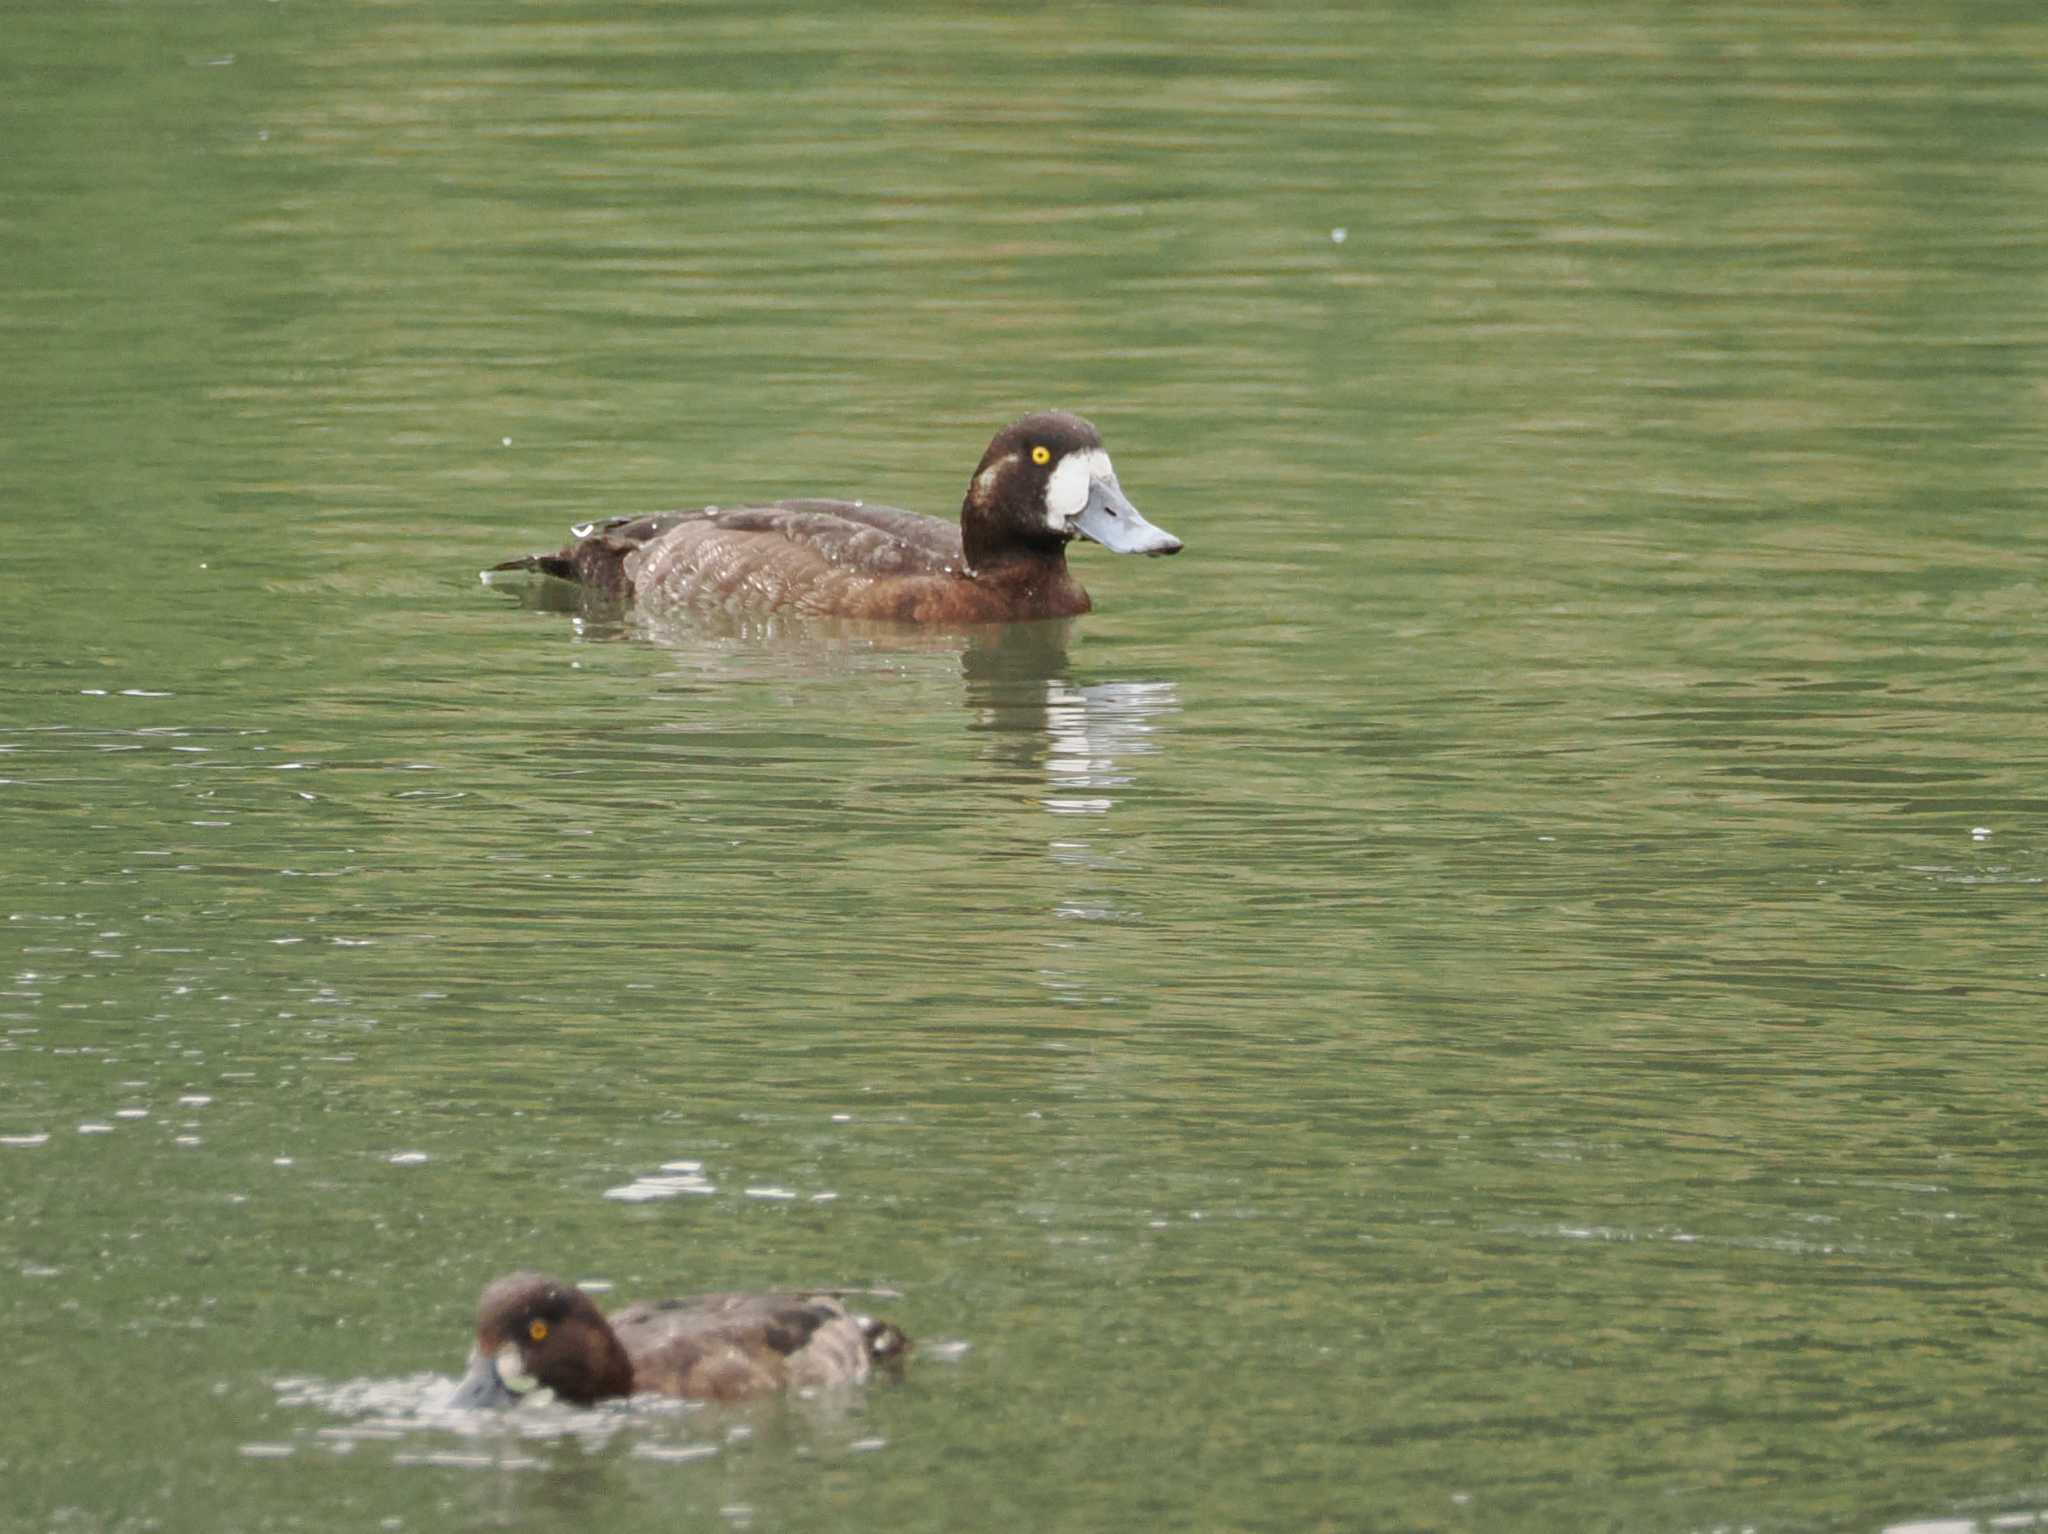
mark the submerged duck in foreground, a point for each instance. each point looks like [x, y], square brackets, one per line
[534, 1331]
[1043, 482]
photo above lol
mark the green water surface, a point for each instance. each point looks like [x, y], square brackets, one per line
[1501, 990]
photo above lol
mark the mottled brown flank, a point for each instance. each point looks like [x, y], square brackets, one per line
[844, 559]
[712, 1347]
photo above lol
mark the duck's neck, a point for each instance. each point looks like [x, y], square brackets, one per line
[988, 542]
[600, 1370]
[615, 1372]
[1031, 585]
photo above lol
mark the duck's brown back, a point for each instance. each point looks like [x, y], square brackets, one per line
[724, 1346]
[801, 556]
[815, 558]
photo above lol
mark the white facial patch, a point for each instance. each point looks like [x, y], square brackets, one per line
[985, 481]
[1067, 491]
[511, 1365]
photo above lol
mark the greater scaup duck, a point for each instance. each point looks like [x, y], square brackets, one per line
[532, 1331]
[1042, 481]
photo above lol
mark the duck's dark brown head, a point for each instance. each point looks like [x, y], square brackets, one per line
[532, 1331]
[1042, 481]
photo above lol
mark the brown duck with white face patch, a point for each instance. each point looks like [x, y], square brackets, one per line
[534, 1331]
[1042, 483]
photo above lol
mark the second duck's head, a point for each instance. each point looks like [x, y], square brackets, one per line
[533, 1331]
[1043, 481]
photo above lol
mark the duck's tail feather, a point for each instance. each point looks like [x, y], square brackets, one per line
[597, 558]
[562, 565]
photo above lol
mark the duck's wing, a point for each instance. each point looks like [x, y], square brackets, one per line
[791, 543]
[824, 557]
[797, 541]
[856, 535]
[723, 1346]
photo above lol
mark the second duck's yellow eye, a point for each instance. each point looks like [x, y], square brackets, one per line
[1041, 455]
[538, 1331]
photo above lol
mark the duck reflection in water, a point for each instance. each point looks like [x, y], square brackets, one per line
[1069, 743]
[1080, 735]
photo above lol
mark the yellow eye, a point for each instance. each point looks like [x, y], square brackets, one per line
[1041, 455]
[538, 1331]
